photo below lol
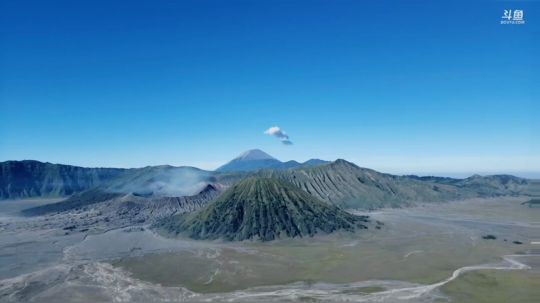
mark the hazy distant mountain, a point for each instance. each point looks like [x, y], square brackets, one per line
[256, 159]
[250, 160]
[24, 179]
[491, 185]
[254, 154]
[314, 162]
[265, 209]
[435, 179]
[500, 185]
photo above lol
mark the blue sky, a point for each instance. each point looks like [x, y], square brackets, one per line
[399, 86]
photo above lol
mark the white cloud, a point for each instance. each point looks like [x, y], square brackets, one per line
[275, 131]
[286, 142]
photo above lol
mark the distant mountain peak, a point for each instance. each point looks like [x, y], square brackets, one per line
[250, 160]
[256, 159]
[254, 154]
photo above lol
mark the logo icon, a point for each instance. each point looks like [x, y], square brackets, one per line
[512, 17]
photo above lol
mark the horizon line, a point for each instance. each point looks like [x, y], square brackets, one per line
[532, 175]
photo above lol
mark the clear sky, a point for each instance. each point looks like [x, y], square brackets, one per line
[399, 86]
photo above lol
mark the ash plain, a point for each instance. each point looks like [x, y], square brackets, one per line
[428, 253]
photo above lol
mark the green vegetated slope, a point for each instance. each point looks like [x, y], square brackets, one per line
[265, 209]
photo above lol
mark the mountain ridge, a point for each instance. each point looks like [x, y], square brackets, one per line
[340, 183]
[31, 178]
[348, 185]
